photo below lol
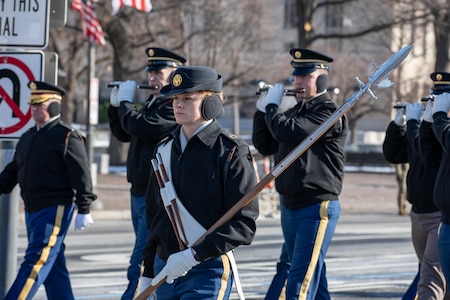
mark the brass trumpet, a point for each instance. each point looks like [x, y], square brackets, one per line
[140, 86]
[264, 87]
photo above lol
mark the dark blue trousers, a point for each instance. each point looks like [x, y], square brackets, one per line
[209, 280]
[44, 261]
[279, 279]
[307, 233]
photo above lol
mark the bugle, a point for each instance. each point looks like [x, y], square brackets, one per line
[264, 87]
[140, 86]
[147, 87]
[429, 97]
[423, 99]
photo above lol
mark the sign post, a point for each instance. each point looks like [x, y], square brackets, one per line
[9, 206]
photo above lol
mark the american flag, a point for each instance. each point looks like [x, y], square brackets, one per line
[90, 23]
[144, 5]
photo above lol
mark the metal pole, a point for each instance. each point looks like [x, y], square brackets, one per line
[236, 116]
[89, 134]
[9, 219]
[90, 74]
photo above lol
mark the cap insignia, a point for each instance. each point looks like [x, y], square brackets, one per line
[439, 77]
[298, 54]
[177, 80]
[151, 52]
[33, 86]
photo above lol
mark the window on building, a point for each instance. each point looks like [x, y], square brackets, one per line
[334, 16]
[290, 16]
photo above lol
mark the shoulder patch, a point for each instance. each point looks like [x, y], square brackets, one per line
[232, 138]
[229, 135]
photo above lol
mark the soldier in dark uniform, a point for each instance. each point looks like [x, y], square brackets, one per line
[435, 147]
[51, 166]
[143, 129]
[402, 145]
[211, 170]
[309, 189]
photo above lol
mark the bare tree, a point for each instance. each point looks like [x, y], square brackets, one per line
[372, 22]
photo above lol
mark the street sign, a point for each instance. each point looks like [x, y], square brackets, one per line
[24, 24]
[51, 67]
[16, 70]
[58, 13]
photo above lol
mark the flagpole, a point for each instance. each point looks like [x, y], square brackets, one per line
[90, 74]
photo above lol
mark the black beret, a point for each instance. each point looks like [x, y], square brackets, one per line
[193, 79]
[307, 61]
[159, 58]
[42, 91]
[441, 82]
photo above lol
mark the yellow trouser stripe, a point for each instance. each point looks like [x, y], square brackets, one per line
[44, 255]
[316, 250]
[225, 277]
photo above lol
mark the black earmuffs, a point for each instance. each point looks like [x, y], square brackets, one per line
[322, 82]
[211, 107]
[54, 109]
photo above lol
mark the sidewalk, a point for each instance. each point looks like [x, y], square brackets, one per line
[362, 193]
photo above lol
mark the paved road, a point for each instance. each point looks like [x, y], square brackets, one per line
[371, 257]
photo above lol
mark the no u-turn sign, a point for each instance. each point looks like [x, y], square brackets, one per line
[16, 70]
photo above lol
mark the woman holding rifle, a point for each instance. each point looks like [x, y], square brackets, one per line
[210, 170]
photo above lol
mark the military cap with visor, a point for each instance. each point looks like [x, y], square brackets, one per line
[43, 91]
[441, 82]
[306, 61]
[193, 79]
[160, 58]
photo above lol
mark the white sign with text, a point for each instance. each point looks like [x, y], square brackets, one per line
[24, 23]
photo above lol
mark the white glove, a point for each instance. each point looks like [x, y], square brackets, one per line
[428, 114]
[287, 102]
[261, 103]
[113, 98]
[413, 111]
[275, 94]
[82, 221]
[178, 264]
[441, 103]
[126, 91]
[400, 118]
[144, 283]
